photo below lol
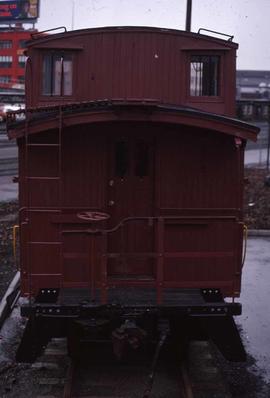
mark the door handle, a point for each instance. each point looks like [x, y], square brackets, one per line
[111, 202]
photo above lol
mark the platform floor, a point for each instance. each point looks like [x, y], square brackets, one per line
[133, 296]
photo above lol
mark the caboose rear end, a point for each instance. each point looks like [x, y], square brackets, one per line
[131, 185]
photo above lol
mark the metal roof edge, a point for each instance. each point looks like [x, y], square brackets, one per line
[44, 114]
[115, 29]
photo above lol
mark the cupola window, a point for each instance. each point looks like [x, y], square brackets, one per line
[57, 74]
[204, 75]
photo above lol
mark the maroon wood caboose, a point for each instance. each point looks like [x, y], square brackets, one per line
[131, 174]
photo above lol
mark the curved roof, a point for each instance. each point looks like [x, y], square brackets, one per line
[47, 118]
[41, 39]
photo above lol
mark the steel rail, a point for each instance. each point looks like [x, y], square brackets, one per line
[9, 299]
[184, 381]
[69, 381]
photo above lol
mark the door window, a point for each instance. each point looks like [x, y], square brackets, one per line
[142, 159]
[204, 75]
[121, 160]
[135, 161]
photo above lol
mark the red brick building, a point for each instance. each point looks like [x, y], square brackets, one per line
[12, 58]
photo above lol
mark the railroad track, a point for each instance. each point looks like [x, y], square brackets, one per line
[125, 381]
[54, 375]
[10, 298]
[196, 377]
[121, 382]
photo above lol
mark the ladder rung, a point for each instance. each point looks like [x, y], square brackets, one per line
[44, 145]
[42, 178]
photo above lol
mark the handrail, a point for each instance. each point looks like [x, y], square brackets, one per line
[33, 35]
[245, 233]
[218, 33]
[144, 218]
[14, 242]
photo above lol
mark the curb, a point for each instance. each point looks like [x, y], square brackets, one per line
[5, 305]
[258, 232]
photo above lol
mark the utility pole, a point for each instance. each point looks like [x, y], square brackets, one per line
[188, 15]
[268, 142]
[72, 15]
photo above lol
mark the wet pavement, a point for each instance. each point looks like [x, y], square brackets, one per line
[250, 380]
[8, 168]
[256, 152]
[256, 157]
[255, 320]
[8, 189]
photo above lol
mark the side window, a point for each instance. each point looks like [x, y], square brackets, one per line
[204, 75]
[57, 74]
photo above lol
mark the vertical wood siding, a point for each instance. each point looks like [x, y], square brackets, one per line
[135, 65]
[192, 171]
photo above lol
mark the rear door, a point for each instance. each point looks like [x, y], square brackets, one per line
[130, 204]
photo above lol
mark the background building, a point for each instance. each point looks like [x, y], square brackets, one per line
[12, 58]
[253, 106]
[253, 84]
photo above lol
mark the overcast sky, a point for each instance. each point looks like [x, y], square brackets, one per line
[247, 20]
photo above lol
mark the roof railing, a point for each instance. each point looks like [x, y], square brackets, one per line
[230, 37]
[37, 34]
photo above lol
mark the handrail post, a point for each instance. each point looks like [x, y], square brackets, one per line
[160, 259]
[268, 143]
[104, 269]
[14, 242]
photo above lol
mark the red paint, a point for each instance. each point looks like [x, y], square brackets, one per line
[171, 179]
[15, 72]
[135, 63]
